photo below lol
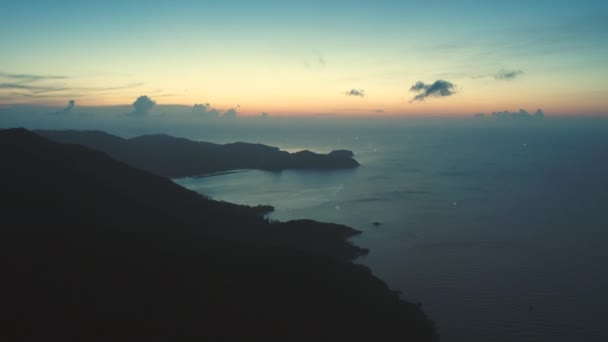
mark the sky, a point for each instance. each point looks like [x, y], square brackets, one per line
[362, 58]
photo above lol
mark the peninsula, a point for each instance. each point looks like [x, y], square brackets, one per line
[173, 157]
[94, 249]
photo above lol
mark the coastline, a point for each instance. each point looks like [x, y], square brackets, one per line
[126, 243]
[174, 157]
[213, 174]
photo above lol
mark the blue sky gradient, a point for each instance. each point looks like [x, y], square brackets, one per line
[303, 57]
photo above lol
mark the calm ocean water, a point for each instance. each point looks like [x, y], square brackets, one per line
[500, 229]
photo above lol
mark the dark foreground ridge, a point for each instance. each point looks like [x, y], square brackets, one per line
[172, 157]
[94, 250]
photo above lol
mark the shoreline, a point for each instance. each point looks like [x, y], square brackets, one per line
[213, 174]
[139, 241]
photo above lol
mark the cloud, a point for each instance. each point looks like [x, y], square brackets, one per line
[316, 61]
[439, 88]
[231, 113]
[521, 114]
[31, 88]
[356, 92]
[49, 88]
[539, 113]
[418, 86]
[43, 86]
[507, 74]
[502, 75]
[30, 77]
[66, 110]
[70, 106]
[127, 86]
[379, 111]
[206, 110]
[142, 105]
[29, 85]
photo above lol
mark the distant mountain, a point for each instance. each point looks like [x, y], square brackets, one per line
[178, 157]
[94, 250]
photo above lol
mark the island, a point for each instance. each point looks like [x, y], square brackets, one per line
[173, 157]
[92, 249]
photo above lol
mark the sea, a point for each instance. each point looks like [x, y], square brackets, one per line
[499, 228]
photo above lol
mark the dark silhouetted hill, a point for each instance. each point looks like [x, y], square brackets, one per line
[178, 157]
[94, 250]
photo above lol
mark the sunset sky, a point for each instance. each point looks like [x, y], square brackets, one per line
[310, 57]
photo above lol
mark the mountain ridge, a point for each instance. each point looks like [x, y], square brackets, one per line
[93, 249]
[174, 157]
